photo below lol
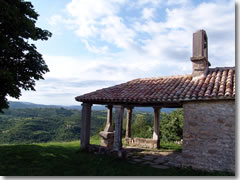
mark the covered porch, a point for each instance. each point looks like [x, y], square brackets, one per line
[111, 137]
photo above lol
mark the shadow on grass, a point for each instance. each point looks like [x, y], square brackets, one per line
[67, 159]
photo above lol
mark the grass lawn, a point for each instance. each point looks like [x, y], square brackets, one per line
[58, 159]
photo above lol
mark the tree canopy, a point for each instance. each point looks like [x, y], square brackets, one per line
[20, 62]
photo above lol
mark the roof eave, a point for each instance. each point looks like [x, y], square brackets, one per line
[177, 103]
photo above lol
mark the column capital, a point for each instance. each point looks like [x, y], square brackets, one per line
[157, 107]
[118, 106]
[129, 107]
[109, 106]
[86, 104]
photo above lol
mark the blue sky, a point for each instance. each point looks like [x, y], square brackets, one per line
[100, 43]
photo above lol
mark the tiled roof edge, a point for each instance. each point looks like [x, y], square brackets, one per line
[209, 99]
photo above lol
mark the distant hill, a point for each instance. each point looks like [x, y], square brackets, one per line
[22, 104]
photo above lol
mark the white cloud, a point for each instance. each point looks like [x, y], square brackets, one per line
[148, 13]
[144, 2]
[151, 27]
[55, 19]
[116, 32]
[87, 14]
[73, 76]
[94, 49]
[97, 19]
[210, 16]
[107, 69]
[178, 2]
[100, 20]
[167, 39]
[164, 45]
[172, 39]
[218, 19]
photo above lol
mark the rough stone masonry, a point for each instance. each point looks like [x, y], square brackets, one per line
[209, 135]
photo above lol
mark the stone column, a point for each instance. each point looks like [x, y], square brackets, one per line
[156, 126]
[108, 127]
[117, 145]
[85, 127]
[107, 135]
[128, 123]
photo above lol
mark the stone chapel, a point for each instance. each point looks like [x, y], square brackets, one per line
[207, 96]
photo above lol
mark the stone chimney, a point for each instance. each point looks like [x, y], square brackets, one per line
[199, 58]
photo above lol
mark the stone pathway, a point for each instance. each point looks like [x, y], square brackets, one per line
[155, 158]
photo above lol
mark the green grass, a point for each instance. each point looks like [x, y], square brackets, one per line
[59, 159]
[95, 139]
[170, 146]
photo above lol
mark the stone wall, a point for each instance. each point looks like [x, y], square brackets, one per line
[209, 135]
[142, 142]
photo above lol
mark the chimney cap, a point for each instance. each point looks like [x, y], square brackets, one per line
[200, 44]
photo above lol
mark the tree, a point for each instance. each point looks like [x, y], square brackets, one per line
[171, 126]
[142, 128]
[20, 63]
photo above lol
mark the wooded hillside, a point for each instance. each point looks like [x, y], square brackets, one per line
[59, 124]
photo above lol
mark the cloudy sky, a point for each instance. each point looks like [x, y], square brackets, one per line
[100, 43]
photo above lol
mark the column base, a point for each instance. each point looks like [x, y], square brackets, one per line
[119, 154]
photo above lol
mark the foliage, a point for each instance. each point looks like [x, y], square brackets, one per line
[58, 159]
[142, 125]
[20, 62]
[171, 126]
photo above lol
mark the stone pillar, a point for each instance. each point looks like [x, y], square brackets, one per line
[117, 145]
[107, 135]
[156, 126]
[128, 123]
[85, 127]
[108, 127]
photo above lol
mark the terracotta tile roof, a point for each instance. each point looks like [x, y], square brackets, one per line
[219, 83]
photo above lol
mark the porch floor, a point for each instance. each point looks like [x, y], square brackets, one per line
[162, 159]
